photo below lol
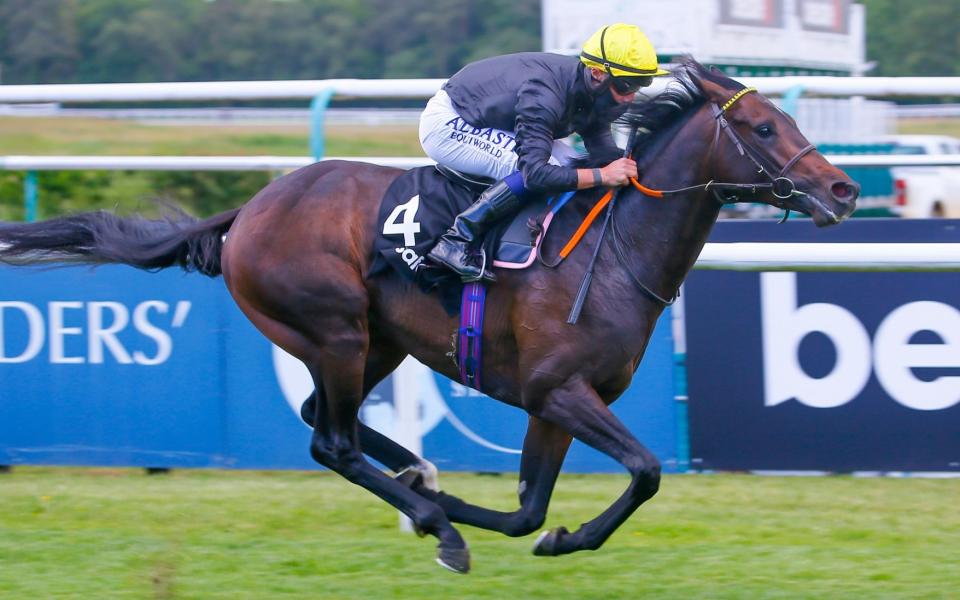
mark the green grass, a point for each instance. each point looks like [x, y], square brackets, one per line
[930, 126]
[135, 191]
[98, 533]
[68, 136]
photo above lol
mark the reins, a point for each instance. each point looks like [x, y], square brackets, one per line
[781, 186]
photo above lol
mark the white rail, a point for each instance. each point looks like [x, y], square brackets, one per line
[424, 88]
[280, 163]
[217, 116]
[188, 163]
[760, 256]
[894, 160]
[220, 90]
[860, 256]
[728, 256]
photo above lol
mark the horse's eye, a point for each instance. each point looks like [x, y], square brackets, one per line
[764, 131]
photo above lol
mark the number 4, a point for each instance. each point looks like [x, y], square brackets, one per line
[401, 221]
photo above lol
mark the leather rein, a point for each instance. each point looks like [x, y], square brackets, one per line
[780, 186]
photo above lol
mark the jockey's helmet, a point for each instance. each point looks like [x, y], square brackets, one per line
[624, 52]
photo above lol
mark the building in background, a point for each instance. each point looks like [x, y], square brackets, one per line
[747, 38]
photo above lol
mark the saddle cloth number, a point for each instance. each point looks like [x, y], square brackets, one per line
[402, 221]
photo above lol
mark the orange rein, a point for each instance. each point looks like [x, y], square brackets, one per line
[645, 190]
[592, 215]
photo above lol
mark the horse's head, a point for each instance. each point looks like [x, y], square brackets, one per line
[753, 141]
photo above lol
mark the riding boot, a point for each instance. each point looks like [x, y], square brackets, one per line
[457, 249]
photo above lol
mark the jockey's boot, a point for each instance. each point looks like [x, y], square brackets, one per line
[458, 250]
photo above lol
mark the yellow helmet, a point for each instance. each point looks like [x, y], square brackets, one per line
[622, 51]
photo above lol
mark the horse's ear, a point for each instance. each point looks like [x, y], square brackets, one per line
[708, 80]
[705, 79]
[714, 91]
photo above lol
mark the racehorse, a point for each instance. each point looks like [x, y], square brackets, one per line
[296, 258]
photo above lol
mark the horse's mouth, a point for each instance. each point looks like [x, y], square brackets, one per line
[818, 210]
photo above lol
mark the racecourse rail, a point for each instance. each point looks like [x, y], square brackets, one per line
[424, 88]
[741, 256]
[735, 256]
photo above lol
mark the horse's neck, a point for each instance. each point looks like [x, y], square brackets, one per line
[667, 234]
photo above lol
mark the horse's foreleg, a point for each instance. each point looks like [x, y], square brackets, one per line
[577, 408]
[544, 448]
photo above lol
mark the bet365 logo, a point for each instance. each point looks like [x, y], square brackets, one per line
[890, 354]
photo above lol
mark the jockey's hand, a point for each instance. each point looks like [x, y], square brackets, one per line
[618, 172]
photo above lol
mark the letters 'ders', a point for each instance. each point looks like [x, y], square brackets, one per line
[77, 332]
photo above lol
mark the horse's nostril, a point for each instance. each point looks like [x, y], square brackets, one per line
[842, 190]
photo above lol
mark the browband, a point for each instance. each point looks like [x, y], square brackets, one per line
[736, 97]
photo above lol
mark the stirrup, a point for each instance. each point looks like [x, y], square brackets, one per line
[485, 275]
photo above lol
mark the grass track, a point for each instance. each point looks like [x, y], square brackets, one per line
[81, 137]
[98, 533]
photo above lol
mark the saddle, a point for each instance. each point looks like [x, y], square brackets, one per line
[421, 204]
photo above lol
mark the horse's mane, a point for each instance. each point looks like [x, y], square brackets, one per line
[655, 114]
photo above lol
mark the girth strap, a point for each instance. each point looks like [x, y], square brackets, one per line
[470, 333]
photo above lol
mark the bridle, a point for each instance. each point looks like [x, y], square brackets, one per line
[780, 186]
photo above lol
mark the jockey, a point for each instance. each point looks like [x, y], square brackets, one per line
[506, 118]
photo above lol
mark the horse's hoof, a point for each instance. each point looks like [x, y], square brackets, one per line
[546, 544]
[454, 559]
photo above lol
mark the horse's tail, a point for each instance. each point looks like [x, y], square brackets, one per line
[101, 237]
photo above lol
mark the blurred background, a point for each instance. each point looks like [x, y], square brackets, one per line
[104, 41]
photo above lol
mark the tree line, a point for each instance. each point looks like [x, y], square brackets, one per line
[80, 41]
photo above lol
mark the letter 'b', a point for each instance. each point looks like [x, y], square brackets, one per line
[784, 327]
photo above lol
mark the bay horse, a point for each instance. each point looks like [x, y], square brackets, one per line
[296, 257]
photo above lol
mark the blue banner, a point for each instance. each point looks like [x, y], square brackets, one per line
[115, 366]
[825, 371]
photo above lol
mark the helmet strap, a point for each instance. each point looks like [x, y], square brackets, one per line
[603, 52]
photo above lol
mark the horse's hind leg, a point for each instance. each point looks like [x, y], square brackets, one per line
[381, 448]
[335, 350]
[382, 359]
[335, 444]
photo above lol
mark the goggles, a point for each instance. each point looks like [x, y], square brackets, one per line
[629, 85]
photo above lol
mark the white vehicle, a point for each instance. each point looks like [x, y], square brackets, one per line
[925, 192]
